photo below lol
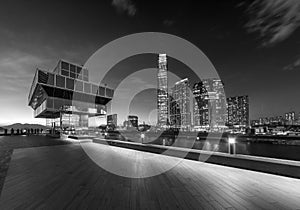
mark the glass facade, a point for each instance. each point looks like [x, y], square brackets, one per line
[73, 71]
[133, 120]
[162, 91]
[238, 111]
[180, 114]
[112, 120]
[200, 105]
[209, 105]
[217, 105]
[67, 95]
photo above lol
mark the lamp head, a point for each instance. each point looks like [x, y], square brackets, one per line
[231, 140]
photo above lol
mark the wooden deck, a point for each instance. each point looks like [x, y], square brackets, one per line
[59, 177]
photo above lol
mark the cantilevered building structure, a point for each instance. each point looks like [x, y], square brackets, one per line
[162, 92]
[66, 97]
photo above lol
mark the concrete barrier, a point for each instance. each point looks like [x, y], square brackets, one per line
[268, 165]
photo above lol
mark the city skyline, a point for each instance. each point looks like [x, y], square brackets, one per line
[211, 89]
[206, 84]
[261, 65]
[130, 104]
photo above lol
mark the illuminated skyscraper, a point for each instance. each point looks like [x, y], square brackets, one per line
[112, 120]
[238, 111]
[200, 106]
[162, 91]
[290, 118]
[133, 120]
[209, 104]
[221, 104]
[180, 114]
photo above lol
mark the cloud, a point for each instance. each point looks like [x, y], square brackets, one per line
[274, 20]
[17, 70]
[292, 66]
[125, 6]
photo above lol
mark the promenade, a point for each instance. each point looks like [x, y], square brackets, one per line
[64, 176]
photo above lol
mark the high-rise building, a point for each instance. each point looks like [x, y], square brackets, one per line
[217, 106]
[112, 120]
[200, 106]
[180, 114]
[209, 104]
[290, 118]
[175, 116]
[133, 121]
[162, 92]
[238, 111]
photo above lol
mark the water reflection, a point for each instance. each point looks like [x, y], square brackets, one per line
[290, 152]
[256, 147]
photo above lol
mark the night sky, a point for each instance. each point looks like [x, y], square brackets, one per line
[254, 45]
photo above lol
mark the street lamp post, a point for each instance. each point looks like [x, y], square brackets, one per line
[142, 137]
[231, 145]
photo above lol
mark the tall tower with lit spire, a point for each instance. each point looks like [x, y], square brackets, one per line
[162, 91]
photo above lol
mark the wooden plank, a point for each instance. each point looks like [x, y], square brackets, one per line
[64, 177]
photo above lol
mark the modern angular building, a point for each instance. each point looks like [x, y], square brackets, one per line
[180, 113]
[162, 92]
[238, 111]
[66, 97]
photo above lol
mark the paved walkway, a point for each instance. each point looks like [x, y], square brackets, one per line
[64, 177]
